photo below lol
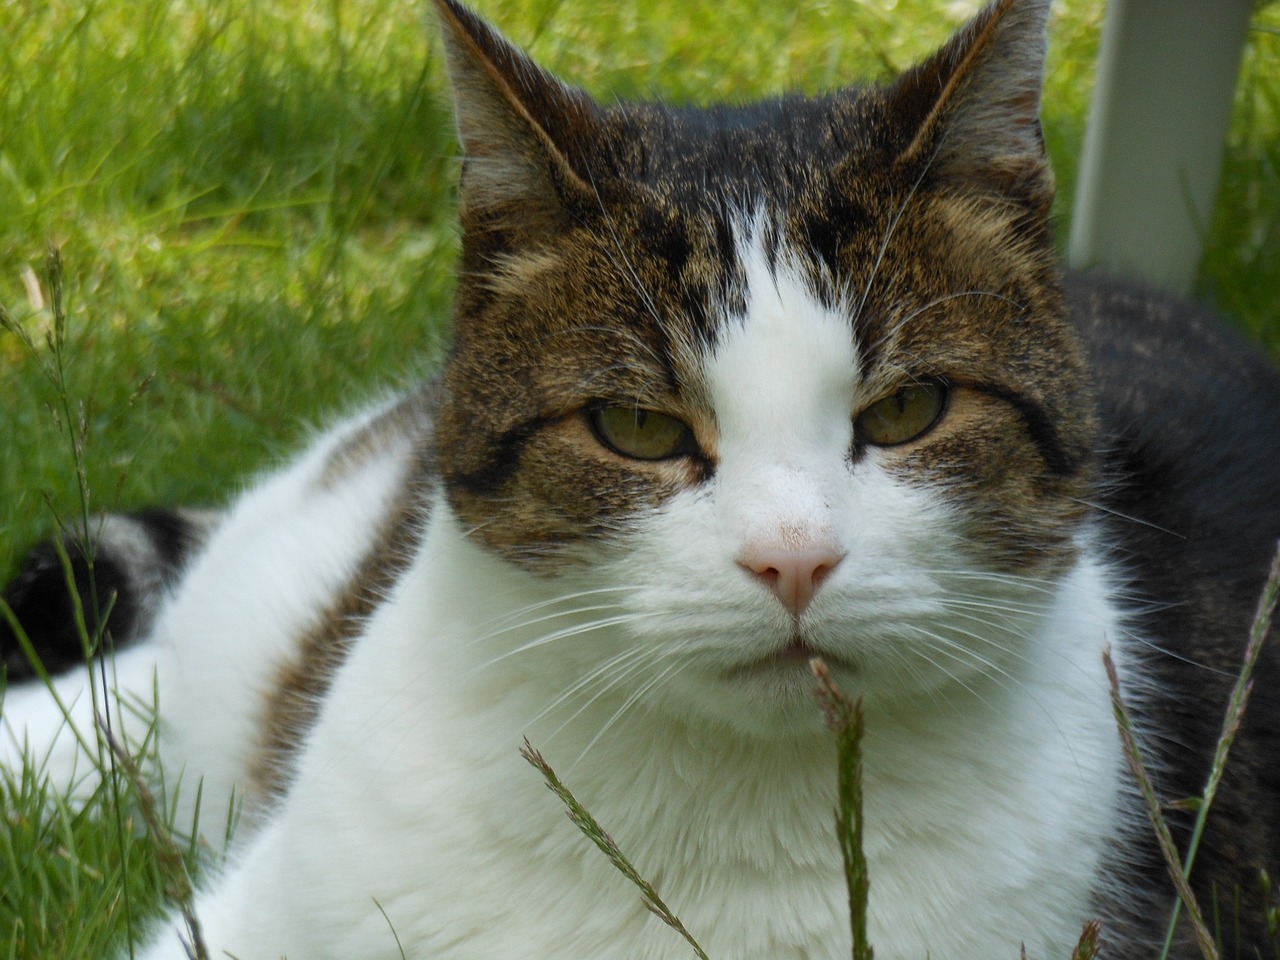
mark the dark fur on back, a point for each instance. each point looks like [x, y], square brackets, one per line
[1191, 434]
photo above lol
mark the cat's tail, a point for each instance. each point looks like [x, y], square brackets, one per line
[122, 570]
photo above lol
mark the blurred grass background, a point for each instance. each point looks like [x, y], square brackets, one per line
[253, 199]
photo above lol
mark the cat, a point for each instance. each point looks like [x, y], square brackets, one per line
[730, 389]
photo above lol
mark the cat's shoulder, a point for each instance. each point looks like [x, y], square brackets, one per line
[1188, 486]
[1154, 357]
[1182, 395]
[1190, 417]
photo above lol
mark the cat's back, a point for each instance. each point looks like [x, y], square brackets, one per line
[1190, 418]
[1189, 486]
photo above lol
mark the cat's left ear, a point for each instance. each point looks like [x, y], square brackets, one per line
[525, 135]
[975, 104]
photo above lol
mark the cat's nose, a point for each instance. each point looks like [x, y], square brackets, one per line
[794, 574]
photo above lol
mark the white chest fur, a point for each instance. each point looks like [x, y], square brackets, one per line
[987, 807]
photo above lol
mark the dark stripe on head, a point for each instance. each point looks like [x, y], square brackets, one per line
[1040, 427]
[503, 458]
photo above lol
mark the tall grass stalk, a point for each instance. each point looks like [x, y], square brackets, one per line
[591, 829]
[1180, 869]
[844, 720]
[122, 787]
[1146, 786]
[74, 422]
[178, 888]
[1236, 705]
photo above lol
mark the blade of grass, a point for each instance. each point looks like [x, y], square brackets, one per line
[1089, 945]
[588, 824]
[1167, 848]
[1236, 705]
[844, 718]
[177, 881]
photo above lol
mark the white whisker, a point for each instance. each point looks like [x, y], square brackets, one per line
[634, 698]
[573, 631]
[521, 624]
[639, 662]
[633, 660]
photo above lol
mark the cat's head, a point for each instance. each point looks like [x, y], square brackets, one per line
[795, 376]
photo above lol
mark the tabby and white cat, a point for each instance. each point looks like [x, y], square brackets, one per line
[730, 388]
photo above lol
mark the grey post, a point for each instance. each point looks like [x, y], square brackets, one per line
[1153, 146]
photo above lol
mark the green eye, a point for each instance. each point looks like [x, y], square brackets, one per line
[641, 434]
[901, 416]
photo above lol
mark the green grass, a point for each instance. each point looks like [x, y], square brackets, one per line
[253, 199]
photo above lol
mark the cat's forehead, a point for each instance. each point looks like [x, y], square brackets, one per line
[810, 284]
[785, 367]
[750, 152]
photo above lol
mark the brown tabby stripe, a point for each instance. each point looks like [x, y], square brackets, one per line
[302, 682]
[503, 459]
[1039, 426]
[411, 416]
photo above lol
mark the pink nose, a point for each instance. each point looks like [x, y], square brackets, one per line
[793, 575]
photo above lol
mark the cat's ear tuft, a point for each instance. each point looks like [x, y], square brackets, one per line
[975, 104]
[524, 134]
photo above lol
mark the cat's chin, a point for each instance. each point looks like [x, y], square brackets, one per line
[798, 655]
[773, 695]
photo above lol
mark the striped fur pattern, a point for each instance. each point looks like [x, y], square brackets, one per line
[730, 388]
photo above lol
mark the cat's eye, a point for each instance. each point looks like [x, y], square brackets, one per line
[641, 434]
[901, 416]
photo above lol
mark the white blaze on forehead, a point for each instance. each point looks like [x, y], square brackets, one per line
[782, 378]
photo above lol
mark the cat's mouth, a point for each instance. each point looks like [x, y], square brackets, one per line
[796, 654]
[796, 651]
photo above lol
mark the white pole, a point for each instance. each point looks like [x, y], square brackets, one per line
[1153, 147]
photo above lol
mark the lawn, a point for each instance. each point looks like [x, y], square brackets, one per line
[253, 200]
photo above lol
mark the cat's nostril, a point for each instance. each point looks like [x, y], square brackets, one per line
[793, 576]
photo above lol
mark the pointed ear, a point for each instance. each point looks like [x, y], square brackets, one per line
[976, 103]
[524, 134]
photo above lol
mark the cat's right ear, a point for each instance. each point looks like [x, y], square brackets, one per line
[525, 135]
[972, 110]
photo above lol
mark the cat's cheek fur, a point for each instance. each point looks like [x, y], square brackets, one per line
[1017, 517]
[565, 493]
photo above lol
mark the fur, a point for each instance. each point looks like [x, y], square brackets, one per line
[358, 651]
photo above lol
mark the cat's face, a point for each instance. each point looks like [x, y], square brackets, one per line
[786, 380]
